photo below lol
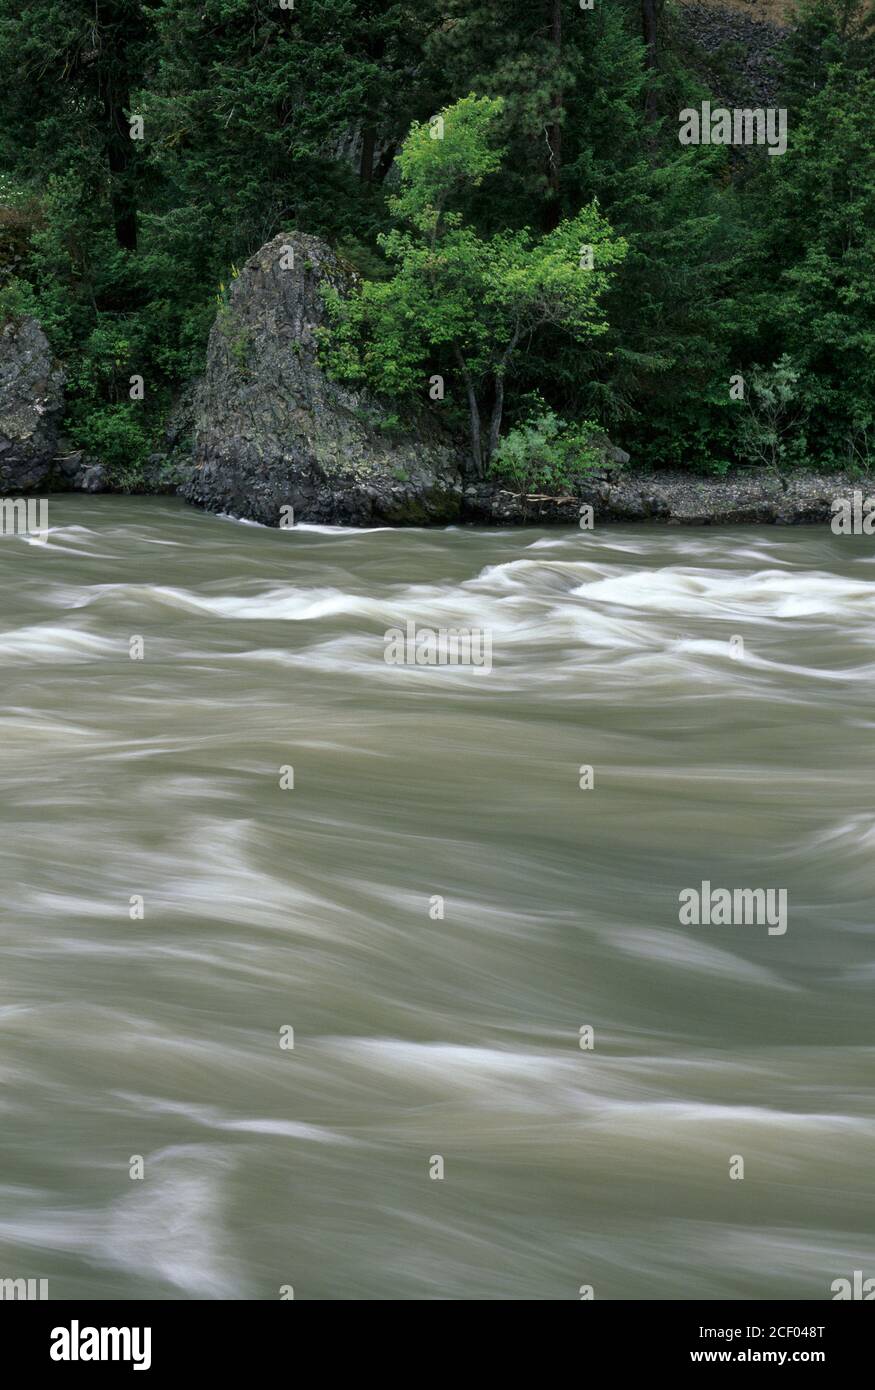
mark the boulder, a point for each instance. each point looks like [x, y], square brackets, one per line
[91, 477]
[271, 430]
[31, 405]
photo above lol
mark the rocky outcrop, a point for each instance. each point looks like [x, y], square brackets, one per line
[754, 32]
[31, 404]
[271, 430]
[680, 499]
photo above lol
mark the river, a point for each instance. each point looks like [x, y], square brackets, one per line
[436, 907]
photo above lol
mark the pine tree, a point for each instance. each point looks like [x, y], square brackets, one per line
[79, 62]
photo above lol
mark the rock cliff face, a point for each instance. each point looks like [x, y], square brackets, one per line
[31, 404]
[272, 431]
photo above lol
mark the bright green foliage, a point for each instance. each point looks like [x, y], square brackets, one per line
[546, 453]
[470, 301]
[657, 378]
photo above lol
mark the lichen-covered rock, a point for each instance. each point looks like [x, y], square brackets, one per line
[31, 404]
[273, 431]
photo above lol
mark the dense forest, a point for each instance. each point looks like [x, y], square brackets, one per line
[148, 147]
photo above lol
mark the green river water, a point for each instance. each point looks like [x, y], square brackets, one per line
[436, 908]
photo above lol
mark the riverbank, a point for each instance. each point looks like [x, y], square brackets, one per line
[266, 434]
[674, 498]
[677, 498]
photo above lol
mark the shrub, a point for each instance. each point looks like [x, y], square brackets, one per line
[771, 431]
[546, 452]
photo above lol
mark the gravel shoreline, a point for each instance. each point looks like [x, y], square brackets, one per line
[676, 498]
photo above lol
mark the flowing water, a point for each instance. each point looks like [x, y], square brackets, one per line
[420, 1030]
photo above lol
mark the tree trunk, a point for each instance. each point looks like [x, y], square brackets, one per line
[553, 208]
[385, 162]
[498, 399]
[495, 423]
[120, 156]
[366, 163]
[649, 15]
[375, 49]
[473, 416]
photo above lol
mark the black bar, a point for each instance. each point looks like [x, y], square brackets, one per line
[617, 1336]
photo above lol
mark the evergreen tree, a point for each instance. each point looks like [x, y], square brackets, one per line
[815, 208]
[79, 62]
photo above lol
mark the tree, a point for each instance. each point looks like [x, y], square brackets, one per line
[475, 302]
[650, 10]
[826, 33]
[382, 62]
[79, 62]
[263, 116]
[519, 54]
[815, 208]
[259, 118]
[554, 129]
